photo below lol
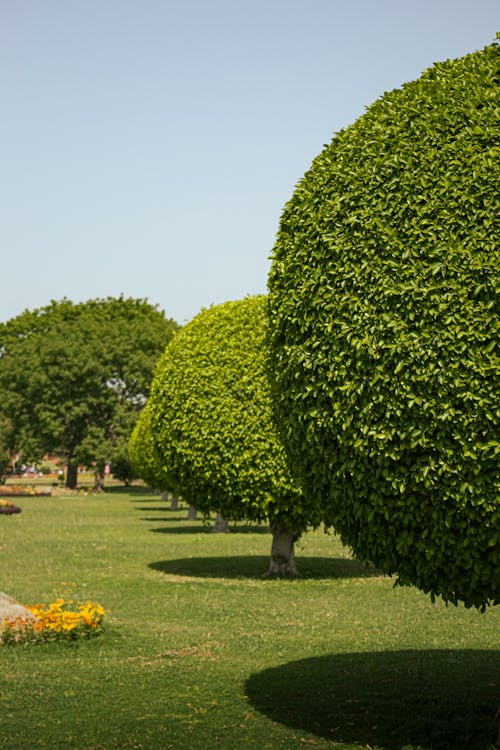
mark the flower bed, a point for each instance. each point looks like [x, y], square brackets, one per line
[7, 508]
[16, 490]
[55, 621]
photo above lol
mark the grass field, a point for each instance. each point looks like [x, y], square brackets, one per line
[199, 652]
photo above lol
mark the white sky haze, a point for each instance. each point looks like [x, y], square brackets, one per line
[148, 148]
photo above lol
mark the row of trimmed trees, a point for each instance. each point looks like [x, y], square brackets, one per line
[379, 364]
[362, 393]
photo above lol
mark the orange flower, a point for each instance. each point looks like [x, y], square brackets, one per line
[54, 620]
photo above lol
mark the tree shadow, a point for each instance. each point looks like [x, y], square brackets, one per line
[164, 530]
[187, 528]
[254, 566]
[430, 700]
[160, 509]
[123, 489]
[200, 528]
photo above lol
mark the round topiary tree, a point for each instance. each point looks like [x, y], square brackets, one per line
[384, 328]
[145, 462]
[212, 426]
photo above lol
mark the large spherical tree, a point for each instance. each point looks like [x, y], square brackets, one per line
[212, 426]
[384, 331]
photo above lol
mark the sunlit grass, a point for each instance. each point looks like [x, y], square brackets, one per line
[198, 651]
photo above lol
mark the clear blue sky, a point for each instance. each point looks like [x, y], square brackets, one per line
[149, 146]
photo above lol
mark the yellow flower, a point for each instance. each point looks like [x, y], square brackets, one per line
[55, 620]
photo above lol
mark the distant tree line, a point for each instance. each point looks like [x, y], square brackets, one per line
[74, 377]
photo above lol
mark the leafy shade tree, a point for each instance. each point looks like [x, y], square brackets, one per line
[5, 458]
[212, 426]
[384, 331]
[73, 377]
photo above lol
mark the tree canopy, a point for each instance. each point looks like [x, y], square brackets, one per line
[384, 331]
[73, 377]
[211, 421]
[5, 459]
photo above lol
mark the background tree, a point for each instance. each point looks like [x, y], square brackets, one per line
[384, 331]
[73, 377]
[212, 429]
[5, 456]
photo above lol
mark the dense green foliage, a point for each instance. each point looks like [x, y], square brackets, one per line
[122, 467]
[384, 331]
[73, 377]
[142, 452]
[211, 419]
[5, 459]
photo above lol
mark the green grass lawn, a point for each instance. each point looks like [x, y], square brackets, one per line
[199, 652]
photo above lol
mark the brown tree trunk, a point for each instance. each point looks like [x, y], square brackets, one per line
[71, 475]
[221, 525]
[174, 502]
[191, 513]
[98, 480]
[282, 562]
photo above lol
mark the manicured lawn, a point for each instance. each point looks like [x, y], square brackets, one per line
[199, 652]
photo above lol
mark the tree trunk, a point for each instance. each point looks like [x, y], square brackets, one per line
[191, 513]
[71, 476]
[174, 500]
[282, 562]
[221, 525]
[98, 480]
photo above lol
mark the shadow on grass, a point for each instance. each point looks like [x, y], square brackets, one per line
[200, 527]
[254, 566]
[160, 520]
[122, 489]
[190, 528]
[439, 700]
[161, 509]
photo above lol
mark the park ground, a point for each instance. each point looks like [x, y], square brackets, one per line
[199, 651]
